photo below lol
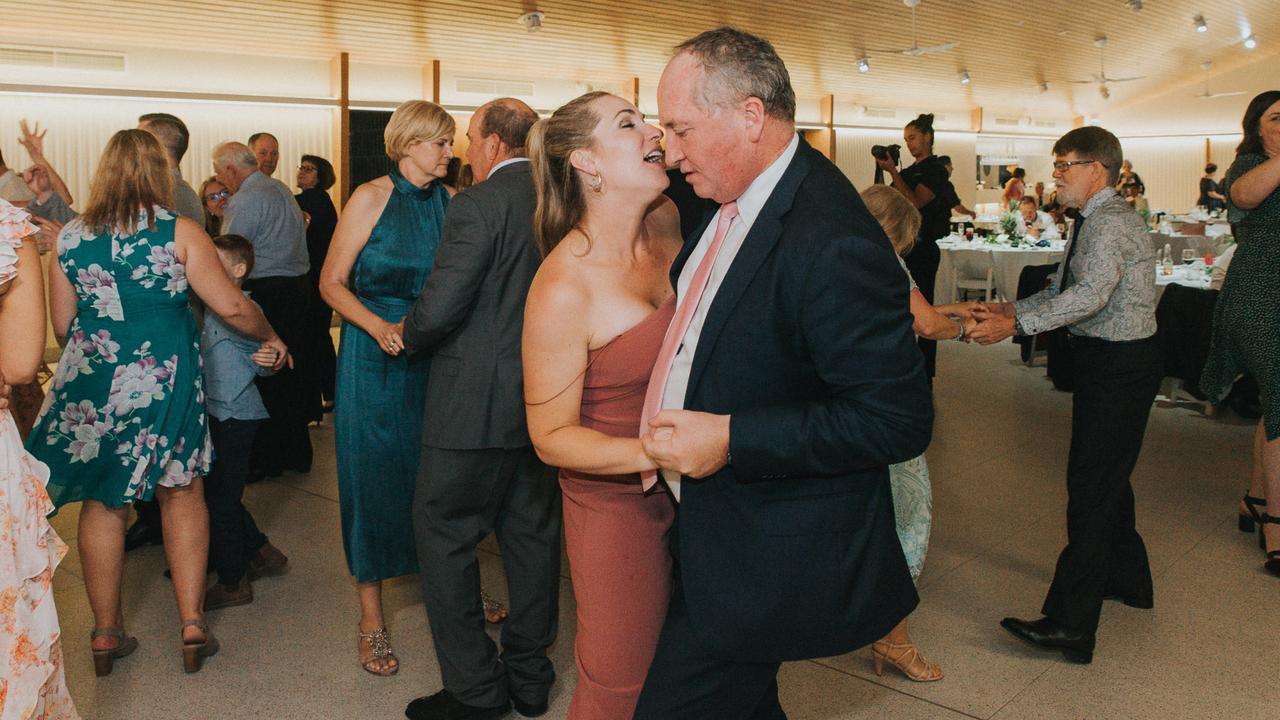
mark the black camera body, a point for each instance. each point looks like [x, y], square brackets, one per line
[884, 152]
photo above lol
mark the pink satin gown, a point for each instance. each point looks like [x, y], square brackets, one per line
[617, 536]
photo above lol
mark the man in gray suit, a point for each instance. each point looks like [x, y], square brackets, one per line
[479, 473]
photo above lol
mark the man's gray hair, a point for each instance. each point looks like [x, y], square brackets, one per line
[1093, 143]
[737, 65]
[234, 153]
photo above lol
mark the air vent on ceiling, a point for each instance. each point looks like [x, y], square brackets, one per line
[1008, 122]
[61, 59]
[874, 112]
[489, 86]
[1046, 123]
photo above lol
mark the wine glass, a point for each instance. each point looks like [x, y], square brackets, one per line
[1188, 256]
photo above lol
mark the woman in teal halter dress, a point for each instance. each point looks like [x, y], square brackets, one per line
[382, 252]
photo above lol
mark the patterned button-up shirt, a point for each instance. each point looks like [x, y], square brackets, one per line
[1112, 295]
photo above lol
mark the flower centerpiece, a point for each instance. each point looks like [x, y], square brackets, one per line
[1009, 222]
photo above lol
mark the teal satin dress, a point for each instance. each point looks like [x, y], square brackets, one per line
[380, 399]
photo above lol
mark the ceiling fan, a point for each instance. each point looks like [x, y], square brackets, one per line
[915, 50]
[1206, 66]
[1101, 77]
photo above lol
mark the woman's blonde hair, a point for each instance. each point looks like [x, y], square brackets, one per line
[133, 175]
[899, 218]
[416, 121]
[561, 203]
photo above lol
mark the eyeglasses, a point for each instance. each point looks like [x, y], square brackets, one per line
[214, 197]
[306, 168]
[1062, 165]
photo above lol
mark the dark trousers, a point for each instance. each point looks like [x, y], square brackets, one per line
[234, 537]
[686, 682]
[322, 360]
[923, 261]
[283, 441]
[461, 497]
[1115, 384]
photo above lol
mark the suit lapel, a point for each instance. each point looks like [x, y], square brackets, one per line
[759, 243]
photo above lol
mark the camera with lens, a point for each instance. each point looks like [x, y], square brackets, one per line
[884, 152]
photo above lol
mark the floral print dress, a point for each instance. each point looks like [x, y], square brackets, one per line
[126, 411]
[32, 681]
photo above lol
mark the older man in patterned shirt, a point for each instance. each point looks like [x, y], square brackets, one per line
[1104, 294]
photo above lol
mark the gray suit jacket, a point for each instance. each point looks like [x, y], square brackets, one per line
[470, 316]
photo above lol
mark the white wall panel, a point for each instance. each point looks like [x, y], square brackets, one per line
[1170, 168]
[80, 127]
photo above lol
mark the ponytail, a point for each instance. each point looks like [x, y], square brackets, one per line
[557, 185]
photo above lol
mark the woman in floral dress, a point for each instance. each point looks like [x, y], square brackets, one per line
[32, 684]
[125, 418]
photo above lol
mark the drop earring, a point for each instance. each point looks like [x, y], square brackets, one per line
[597, 183]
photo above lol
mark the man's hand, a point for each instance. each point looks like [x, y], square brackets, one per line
[993, 326]
[690, 443]
[33, 141]
[37, 179]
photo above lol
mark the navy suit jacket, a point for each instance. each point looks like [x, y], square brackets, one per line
[790, 551]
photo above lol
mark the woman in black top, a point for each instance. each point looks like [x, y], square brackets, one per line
[315, 177]
[1211, 197]
[1130, 183]
[927, 185]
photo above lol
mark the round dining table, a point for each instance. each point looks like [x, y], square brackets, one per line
[971, 258]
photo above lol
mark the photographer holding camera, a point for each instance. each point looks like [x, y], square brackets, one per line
[927, 185]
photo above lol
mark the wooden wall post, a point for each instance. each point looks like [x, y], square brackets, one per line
[633, 89]
[431, 81]
[1208, 151]
[975, 120]
[340, 81]
[825, 138]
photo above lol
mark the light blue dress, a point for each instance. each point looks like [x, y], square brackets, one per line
[379, 398]
[912, 500]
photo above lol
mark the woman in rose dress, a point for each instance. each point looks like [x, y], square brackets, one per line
[32, 684]
[594, 321]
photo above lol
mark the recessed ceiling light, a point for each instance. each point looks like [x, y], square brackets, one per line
[964, 77]
[1134, 5]
[864, 65]
[1251, 42]
[1104, 92]
[1044, 86]
[532, 21]
[1200, 24]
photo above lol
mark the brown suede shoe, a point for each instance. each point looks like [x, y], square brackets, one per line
[224, 596]
[269, 562]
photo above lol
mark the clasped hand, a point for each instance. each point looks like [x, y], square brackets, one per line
[690, 443]
[996, 321]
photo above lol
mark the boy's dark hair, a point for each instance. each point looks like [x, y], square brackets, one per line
[239, 248]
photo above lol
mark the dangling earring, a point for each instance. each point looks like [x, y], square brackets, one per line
[597, 183]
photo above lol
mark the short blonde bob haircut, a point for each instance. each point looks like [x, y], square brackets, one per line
[413, 122]
[895, 213]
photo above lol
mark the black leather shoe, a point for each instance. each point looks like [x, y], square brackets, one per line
[538, 708]
[142, 532]
[444, 706]
[1141, 603]
[1075, 646]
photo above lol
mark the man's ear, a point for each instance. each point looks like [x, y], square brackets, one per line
[753, 115]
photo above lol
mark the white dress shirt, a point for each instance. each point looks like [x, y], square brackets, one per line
[749, 206]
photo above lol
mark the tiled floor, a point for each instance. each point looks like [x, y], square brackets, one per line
[997, 462]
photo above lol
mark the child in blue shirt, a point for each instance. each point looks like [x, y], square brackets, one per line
[238, 551]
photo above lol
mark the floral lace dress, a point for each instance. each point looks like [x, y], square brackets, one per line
[126, 412]
[32, 683]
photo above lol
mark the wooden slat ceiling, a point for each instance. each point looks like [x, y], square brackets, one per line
[1008, 46]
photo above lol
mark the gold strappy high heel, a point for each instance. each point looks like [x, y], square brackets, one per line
[907, 658]
[380, 644]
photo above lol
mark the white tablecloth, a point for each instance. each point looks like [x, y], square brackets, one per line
[1193, 275]
[971, 259]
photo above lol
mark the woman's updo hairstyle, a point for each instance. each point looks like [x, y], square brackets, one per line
[561, 201]
[924, 124]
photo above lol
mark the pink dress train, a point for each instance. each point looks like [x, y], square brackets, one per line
[617, 536]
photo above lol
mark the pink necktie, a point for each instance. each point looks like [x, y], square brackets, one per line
[678, 327]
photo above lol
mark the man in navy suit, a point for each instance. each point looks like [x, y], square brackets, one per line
[796, 384]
